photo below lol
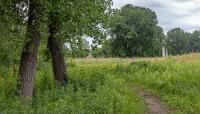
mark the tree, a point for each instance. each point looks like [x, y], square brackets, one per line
[178, 41]
[107, 48]
[55, 45]
[134, 32]
[68, 22]
[195, 41]
[30, 50]
[79, 50]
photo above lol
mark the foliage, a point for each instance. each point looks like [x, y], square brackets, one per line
[180, 42]
[79, 49]
[195, 41]
[97, 52]
[134, 32]
[78, 18]
[11, 34]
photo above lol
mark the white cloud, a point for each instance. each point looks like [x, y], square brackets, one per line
[171, 13]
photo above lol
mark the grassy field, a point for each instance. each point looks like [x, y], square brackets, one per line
[105, 86]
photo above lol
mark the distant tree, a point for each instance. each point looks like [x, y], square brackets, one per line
[80, 49]
[195, 41]
[107, 48]
[178, 41]
[134, 32]
[97, 52]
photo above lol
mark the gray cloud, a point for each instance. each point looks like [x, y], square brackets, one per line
[183, 0]
[171, 13]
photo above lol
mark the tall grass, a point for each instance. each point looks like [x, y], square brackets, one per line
[105, 86]
[92, 89]
[176, 80]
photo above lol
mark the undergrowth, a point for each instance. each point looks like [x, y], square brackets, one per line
[91, 90]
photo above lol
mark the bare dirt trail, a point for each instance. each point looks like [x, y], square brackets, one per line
[153, 104]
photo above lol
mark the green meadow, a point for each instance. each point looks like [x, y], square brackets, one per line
[106, 86]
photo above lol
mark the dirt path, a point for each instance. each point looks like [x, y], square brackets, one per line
[154, 105]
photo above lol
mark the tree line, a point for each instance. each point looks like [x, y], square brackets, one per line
[134, 31]
[180, 42]
[176, 41]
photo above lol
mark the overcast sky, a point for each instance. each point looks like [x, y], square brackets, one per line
[171, 13]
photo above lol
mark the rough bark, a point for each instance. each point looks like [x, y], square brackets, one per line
[55, 47]
[29, 54]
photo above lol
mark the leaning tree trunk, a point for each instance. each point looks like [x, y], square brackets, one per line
[29, 54]
[55, 48]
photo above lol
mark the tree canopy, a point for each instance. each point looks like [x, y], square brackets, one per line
[181, 42]
[134, 32]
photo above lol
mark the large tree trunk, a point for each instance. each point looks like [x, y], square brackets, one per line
[55, 48]
[29, 54]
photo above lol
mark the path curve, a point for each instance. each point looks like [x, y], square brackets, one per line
[153, 104]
